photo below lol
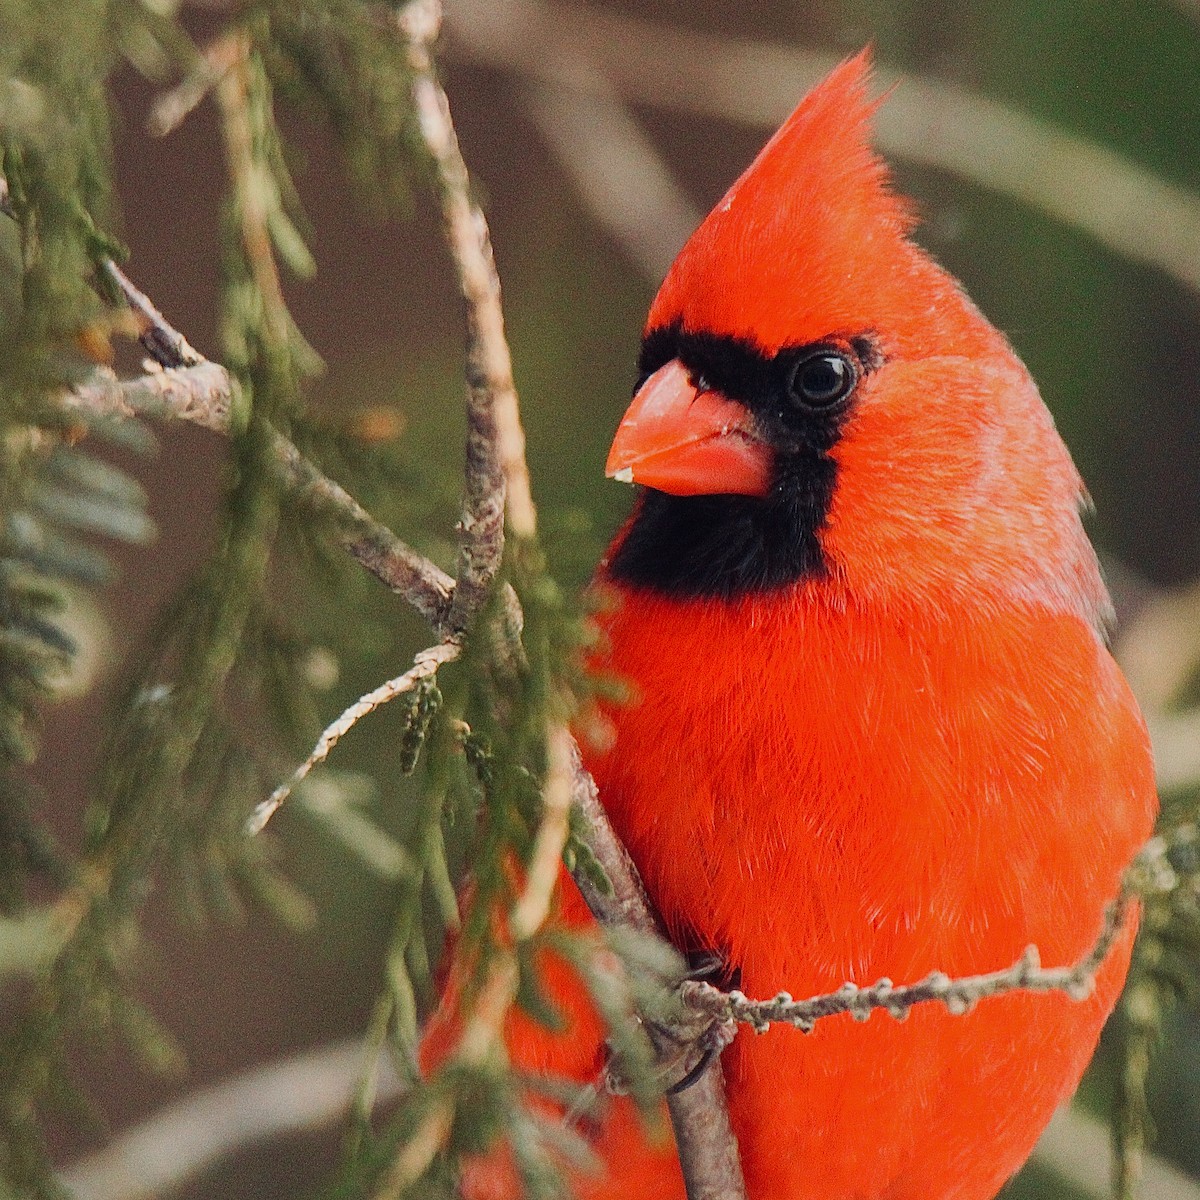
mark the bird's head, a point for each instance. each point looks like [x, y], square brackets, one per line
[820, 404]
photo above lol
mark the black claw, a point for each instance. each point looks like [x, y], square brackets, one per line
[706, 1060]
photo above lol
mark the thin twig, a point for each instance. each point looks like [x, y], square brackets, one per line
[407, 572]
[1150, 873]
[398, 566]
[200, 395]
[958, 995]
[625, 904]
[425, 666]
[162, 341]
[489, 364]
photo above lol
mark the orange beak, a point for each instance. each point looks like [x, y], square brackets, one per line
[687, 442]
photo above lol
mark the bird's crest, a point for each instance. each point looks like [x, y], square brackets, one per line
[797, 242]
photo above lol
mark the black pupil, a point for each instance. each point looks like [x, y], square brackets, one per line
[822, 379]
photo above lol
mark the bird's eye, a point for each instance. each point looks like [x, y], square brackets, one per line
[821, 380]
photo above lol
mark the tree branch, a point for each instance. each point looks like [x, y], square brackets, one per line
[190, 388]
[1149, 874]
[958, 995]
[425, 666]
[489, 365]
[200, 395]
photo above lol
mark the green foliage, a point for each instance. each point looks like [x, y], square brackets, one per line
[180, 770]
[55, 494]
[341, 58]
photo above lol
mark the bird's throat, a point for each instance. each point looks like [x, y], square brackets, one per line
[723, 547]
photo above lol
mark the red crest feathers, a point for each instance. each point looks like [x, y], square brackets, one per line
[810, 241]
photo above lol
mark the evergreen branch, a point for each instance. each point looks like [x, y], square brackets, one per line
[425, 666]
[496, 485]
[193, 389]
[256, 189]
[483, 1032]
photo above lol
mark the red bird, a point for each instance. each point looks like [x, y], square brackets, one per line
[875, 729]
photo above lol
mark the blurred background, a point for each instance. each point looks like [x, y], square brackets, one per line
[1054, 154]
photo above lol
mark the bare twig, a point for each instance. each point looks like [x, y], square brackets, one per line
[489, 365]
[162, 341]
[407, 572]
[425, 666]
[200, 395]
[626, 904]
[489, 362]
[1068, 177]
[1150, 873]
[958, 995]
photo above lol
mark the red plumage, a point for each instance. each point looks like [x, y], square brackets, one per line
[918, 755]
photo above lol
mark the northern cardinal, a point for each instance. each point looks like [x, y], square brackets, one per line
[874, 728]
